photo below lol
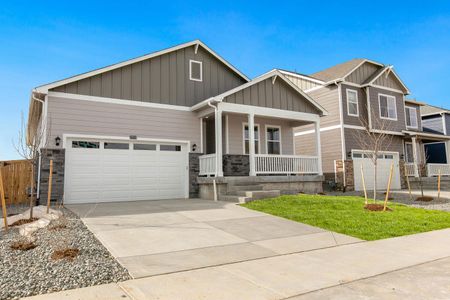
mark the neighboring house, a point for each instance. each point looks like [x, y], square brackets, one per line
[362, 93]
[150, 127]
[436, 120]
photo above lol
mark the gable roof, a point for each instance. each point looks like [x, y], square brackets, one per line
[339, 71]
[256, 80]
[44, 88]
[383, 70]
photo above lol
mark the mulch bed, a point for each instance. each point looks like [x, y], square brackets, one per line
[23, 221]
[425, 199]
[376, 207]
[69, 253]
[23, 246]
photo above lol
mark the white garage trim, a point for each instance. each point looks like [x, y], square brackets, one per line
[99, 138]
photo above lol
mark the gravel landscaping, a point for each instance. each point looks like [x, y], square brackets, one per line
[32, 272]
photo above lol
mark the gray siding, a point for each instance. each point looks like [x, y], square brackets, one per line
[361, 74]
[362, 106]
[390, 81]
[67, 116]
[162, 79]
[447, 123]
[279, 95]
[351, 142]
[419, 118]
[236, 134]
[301, 83]
[398, 125]
[433, 124]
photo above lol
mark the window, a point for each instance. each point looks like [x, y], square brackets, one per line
[117, 146]
[411, 117]
[388, 107]
[388, 156]
[409, 154]
[150, 147]
[352, 103]
[273, 136]
[85, 144]
[246, 139]
[170, 148]
[195, 70]
[357, 155]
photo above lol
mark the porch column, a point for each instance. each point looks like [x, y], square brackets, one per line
[218, 128]
[318, 147]
[251, 143]
[416, 162]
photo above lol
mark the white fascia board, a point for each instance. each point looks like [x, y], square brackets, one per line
[387, 132]
[425, 134]
[391, 69]
[323, 129]
[267, 112]
[117, 101]
[46, 87]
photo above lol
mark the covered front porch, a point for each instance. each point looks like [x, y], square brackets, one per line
[427, 154]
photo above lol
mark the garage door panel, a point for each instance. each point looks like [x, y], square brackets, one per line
[107, 175]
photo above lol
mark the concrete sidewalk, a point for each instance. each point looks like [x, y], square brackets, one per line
[293, 275]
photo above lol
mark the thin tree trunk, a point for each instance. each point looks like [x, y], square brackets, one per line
[32, 191]
[375, 181]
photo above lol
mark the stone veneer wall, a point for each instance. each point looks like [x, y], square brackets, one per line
[349, 183]
[236, 165]
[403, 183]
[194, 169]
[58, 157]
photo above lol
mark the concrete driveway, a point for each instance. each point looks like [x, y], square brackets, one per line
[159, 237]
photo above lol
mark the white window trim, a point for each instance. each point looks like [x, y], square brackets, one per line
[190, 70]
[406, 152]
[357, 103]
[267, 140]
[395, 106]
[256, 140]
[415, 114]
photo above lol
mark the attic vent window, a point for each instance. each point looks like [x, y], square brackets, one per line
[195, 70]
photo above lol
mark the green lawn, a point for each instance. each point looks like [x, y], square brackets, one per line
[345, 214]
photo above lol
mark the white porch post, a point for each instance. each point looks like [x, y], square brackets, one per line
[416, 161]
[318, 147]
[218, 129]
[251, 143]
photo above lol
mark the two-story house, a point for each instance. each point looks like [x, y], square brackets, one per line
[362, 94]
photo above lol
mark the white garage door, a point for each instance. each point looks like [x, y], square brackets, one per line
[384, 165]
[107, 171]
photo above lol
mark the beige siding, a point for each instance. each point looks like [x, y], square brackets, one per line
[67, 116]
[331, 148]
[361, 74]
[278, 95]
[362, 106]
[397, 125]
[351, 138]
[390, 81]
[236, 134]
[162, 79]
[301, 83]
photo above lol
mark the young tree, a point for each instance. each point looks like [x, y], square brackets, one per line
[373, 138]
[28, 146]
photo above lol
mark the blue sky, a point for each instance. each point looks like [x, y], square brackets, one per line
[43, 41]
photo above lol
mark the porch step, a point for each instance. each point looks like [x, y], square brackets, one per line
[255, 195]
[249, 187]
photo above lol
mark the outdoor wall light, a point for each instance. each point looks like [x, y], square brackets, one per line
[57, 140]
[349, 154]
[194, 147]
[402, 156]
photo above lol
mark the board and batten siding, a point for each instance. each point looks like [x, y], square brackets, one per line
[303, 84]
[278, 95]
[391, 125]
[362, 118]
[236, 134]
[390, 81]
[161, 79]
[69, 116]
[361, 74]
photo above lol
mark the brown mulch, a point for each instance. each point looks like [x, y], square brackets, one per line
[57, 227]
[23, 221]
[425, 199]
[69, 253]
[22, 245]
[376, 207]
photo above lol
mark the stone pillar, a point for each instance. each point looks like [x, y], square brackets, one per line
[194, 170]
[403, 183]
[58, 157]
[347, 184]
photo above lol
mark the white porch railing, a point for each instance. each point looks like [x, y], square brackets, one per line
[286, 164]
[411, 169]
[207, 165]
[433, 169]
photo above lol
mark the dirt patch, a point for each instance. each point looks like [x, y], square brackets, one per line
[23, 246]
[425, 199]
[321, 193]
[69, 253]
[57, 227]
[376, 207]
[23, 221]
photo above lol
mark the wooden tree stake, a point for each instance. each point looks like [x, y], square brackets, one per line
[364, 185]
[409, 185]
[388, 187]
[2, 195]
[439, 185]
[50, 177]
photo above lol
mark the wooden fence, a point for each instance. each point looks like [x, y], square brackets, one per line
[16, 176]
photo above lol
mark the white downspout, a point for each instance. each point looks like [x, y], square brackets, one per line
[40, 154]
